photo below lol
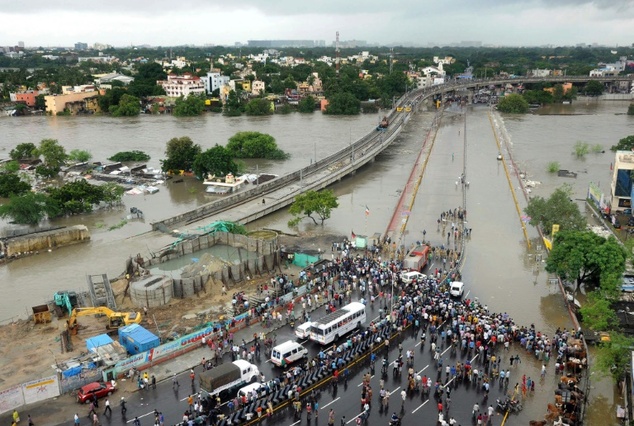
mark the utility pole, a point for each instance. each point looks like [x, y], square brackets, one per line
[337, 58]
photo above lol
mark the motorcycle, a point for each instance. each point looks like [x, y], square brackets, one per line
[395, 422]
[513, 406]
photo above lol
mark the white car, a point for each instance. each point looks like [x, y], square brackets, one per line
[456, 289]
[411, 276]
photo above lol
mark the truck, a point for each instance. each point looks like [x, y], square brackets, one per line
[228, 376]
[416, 259]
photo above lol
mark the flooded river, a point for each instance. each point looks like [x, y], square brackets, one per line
[499, 270]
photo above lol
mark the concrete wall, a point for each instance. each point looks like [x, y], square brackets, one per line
[26, 244]
[267, 258]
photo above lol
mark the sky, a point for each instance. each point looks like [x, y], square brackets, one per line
[412, 22]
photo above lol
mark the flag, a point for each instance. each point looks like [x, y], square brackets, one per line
[353, 236]
[367, 211]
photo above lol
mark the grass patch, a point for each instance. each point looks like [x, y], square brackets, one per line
[553, 167]
[118, 225]
[581, 149]
[596, 149]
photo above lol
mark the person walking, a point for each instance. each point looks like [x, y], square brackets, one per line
[76, 418]
[29, 420]
[95, 420]
[16, 417]
[107, 409]
[92, 410]
[123, 407]
[331, 417]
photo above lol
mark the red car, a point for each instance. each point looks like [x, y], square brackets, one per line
[86, 393]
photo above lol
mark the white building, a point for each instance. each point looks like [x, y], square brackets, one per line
[182, 85]
[214, 80]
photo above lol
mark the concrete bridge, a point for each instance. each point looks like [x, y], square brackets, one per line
[261, 200]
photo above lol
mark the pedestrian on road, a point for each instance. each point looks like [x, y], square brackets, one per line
[76, 418]
[107, 409]
[123, 409]
[29, 420]
[175, 384]
[136, 422]
[95, 420]
[331, 417]
[16, 417]
[92, 410]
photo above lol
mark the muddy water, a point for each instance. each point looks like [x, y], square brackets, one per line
[499, 269]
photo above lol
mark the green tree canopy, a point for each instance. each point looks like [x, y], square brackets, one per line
[259, 106]
[53, 155]
[80, 197]
[614, 357]
[135, 155]
[180, 154]
[11, 184]
[513, 104]
[582, 257]
[343, 104]
[597, 313]
[79, 155]
[191, 106]
[307, 104]
[625, 144]
[23, 151]
[216, 161]
[557, 209]
[593, 88]
[254, 145]
[541, 97]
[232, 106]
[313, 203]
[28, 209]
[128, 106]
[630, 109]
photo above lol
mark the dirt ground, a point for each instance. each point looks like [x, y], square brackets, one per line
[29, 351]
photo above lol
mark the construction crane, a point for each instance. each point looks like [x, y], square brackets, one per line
[115, 319]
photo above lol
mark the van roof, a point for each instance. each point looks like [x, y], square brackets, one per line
[250, 387]
[286, 345]
[305, 325]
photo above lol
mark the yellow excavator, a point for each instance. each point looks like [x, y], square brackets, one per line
[115, 319]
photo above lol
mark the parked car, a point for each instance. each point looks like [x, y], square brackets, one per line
[86, 393]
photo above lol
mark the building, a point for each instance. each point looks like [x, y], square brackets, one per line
[101, 79]
[74, 102]
[182, 85]
[257, 87]
[81, 46]
[214, 81]
[26, 97]
[621, 185]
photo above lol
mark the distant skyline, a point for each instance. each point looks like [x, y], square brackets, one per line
[169, 23]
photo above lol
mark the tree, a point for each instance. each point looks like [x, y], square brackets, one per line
[40, 102]
[79, 155]
[513, 104]
[259, 106]
[191, 106]
[180, 154]
[28, 209]
[614, 357]
[232, 106]
[80, 197]
[585, 257]
[216, 161]
[593, 88]
[307, 104]
[597, 313]
[625, 144]
[11, 185]
[128, 106]
[557, 209]
[630, 109]
[254, 145]
[135, 155]
[343, 104]
[311, 203]
[23, 151]
[54, 156]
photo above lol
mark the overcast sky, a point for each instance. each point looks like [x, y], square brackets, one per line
[419, 22]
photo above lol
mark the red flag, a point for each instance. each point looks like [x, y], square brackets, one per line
[353, 235]
[367, 211]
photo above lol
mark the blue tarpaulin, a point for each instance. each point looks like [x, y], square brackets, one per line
[96, 341]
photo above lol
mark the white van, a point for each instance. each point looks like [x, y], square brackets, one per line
[287, 353]
[302, 331]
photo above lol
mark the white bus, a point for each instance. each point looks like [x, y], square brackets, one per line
[338, 323]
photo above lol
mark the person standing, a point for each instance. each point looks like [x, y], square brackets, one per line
[123, 408]
[76, 418]
[331, 417]
[107, 409]
[16, 417]
[29, 420]
[92, 409]
[95, 419]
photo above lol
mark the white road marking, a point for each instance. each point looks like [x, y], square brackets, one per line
[334, 400]
[420, 406]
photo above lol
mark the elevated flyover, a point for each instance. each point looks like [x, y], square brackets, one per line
[261, 200]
